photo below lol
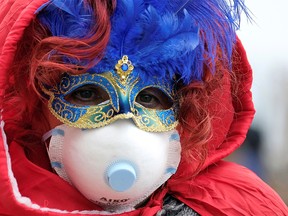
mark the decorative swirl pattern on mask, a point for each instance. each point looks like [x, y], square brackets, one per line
[67, 112]
[122, 103]
[96, 115]
[154, 119]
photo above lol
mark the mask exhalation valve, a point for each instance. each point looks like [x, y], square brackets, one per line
[121, 176]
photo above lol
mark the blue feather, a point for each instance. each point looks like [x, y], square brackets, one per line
[124, 22]
[167, 37]
[175, 37]
[67, 18]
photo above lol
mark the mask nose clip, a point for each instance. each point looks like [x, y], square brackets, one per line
[121, 176]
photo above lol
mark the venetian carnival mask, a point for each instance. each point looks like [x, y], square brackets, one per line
[112, 95]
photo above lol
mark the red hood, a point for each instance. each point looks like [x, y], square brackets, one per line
[232, 116]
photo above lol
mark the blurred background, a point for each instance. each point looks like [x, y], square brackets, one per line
[265, 150]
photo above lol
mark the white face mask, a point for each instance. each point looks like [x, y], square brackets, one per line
[116, 166]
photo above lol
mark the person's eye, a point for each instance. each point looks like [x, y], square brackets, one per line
[154, 98]
[87, 95]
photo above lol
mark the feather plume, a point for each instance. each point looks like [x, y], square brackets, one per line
[124, 21]
[67, 18]
[174, 37]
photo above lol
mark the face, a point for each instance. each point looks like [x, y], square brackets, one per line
[126, 162]
[93, 99]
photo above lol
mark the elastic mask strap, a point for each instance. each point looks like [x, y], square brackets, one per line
[53, 132]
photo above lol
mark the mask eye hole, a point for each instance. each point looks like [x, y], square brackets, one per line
[87, 95]
[154, 98]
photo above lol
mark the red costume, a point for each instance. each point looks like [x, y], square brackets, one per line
[220, 188]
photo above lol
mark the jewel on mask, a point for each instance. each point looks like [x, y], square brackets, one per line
[123, 68]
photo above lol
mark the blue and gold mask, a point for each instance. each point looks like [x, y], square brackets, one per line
[93, 99]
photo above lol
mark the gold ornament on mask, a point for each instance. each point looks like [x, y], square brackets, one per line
[123, 68]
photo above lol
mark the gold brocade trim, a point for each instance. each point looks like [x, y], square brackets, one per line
[155, 128]
[83, 123]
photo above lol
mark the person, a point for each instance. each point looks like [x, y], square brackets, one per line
[125, 108]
